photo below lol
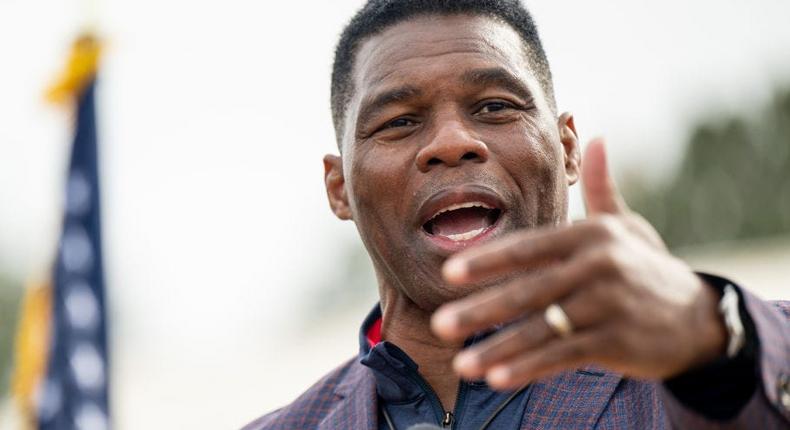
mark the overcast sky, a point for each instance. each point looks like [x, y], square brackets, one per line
[214, 116]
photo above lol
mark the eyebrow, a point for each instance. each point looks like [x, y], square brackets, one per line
[497, 77]
[384, 99]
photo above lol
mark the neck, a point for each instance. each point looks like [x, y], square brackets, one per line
[408, 327]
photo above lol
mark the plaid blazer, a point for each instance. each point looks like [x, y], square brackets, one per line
[585, 399]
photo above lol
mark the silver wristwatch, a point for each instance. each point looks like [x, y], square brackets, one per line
[728, 307]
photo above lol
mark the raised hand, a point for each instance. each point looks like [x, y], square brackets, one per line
[626, 303]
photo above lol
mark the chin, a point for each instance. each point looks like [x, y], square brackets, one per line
[435, 295]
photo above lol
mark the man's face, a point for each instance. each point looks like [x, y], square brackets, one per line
[449, 142]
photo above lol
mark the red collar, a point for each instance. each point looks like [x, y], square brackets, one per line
[374, 333]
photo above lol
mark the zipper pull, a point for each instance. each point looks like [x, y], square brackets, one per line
[448, 419]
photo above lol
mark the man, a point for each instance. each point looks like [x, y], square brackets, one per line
[496, 311]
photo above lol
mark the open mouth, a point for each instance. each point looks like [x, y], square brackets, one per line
[462, 221]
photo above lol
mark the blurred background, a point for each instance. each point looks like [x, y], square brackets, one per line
[231, 287]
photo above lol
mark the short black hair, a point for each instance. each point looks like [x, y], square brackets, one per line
[377, 15]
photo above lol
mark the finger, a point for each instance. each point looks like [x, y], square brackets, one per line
[462, 318]
[554, 357]
[598, 187]
[517, 252]
[581, 309]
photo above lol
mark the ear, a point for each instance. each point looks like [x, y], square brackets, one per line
[336, 186]
[570, 145]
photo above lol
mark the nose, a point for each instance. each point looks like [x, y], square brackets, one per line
[452, 145]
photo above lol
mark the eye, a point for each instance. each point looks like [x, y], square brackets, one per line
[399, 122]
[491, 107]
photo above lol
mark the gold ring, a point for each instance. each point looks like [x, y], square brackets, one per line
[558, 320]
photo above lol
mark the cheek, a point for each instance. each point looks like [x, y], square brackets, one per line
[378, 178]
[535, 160]
[553, 189]
[380, 208]
[375, 176]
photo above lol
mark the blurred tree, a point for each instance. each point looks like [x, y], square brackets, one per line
[10, 296]
[733, 182]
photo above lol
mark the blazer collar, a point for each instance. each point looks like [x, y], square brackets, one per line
[573, 399]
[356, 404]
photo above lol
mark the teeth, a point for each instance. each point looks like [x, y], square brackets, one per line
[461, 206]
[465, 236]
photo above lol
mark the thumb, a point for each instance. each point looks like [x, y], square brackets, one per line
[598, 187]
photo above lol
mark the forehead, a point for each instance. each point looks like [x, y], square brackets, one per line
[433, 51]
[421, 47]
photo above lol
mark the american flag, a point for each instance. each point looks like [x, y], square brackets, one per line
[74, 393]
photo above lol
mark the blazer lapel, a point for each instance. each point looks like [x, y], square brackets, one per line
[357, 404]
[570, 400]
